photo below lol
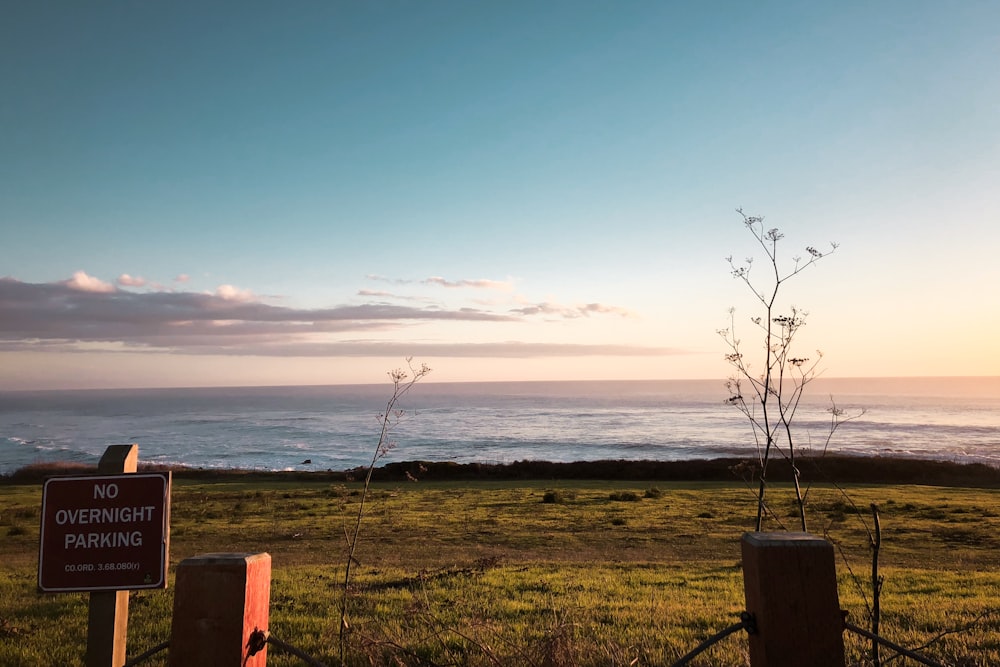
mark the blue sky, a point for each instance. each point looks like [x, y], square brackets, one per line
[266, 193]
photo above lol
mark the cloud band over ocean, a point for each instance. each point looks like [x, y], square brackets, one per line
[85, 313]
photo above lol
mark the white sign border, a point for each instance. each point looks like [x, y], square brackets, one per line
[165, 477]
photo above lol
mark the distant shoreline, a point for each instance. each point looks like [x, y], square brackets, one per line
[828, 469]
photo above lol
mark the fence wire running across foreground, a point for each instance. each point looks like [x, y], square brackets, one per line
[261, 638]
[747, 622]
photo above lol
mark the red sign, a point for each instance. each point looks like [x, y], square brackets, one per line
[104, 533]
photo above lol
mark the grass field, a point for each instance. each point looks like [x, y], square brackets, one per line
[530, 572]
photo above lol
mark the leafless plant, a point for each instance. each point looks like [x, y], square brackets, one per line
[769, 396]
[403, 381]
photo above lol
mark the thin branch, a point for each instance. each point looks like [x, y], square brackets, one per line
[402, 383]
[773, 424]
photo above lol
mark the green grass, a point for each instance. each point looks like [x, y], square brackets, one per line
[487, 573]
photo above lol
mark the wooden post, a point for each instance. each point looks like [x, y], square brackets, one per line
[790, 582]
[219, 600]
[107, 622]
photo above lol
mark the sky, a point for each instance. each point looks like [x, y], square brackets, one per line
[263, 193]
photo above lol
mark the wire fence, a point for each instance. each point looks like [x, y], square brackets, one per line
[261, 638]
[148, 654]
[747, 622]
[912, 655]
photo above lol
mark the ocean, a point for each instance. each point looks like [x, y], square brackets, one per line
[336, 427]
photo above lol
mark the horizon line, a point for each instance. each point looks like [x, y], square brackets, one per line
[5, 390]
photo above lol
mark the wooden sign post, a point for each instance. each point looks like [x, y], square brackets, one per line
[107, 622]
[105, 534]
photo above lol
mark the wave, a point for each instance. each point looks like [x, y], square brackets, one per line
[336, 428]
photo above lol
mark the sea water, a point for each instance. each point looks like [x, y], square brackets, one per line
[337, 427]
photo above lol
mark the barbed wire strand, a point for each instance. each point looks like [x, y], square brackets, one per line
[747, 622]
[148, 654]
[912, 655]
[258, 638]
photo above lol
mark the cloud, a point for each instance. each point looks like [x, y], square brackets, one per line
[383, 294]
[230, 293]
[482, 283]
[571, 312]
[182, 278]
[85, 313]
[493, 350]
[125, 280]
[383, 279]
[479, 283]
[604, 309]
[83, 310]
[81, 282]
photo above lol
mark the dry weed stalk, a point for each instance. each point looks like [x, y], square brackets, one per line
[403, 381]
[769, 397]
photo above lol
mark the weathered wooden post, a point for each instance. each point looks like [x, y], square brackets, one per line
[790, 582]
[107, 621]
[105, 534]
[219, 600]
